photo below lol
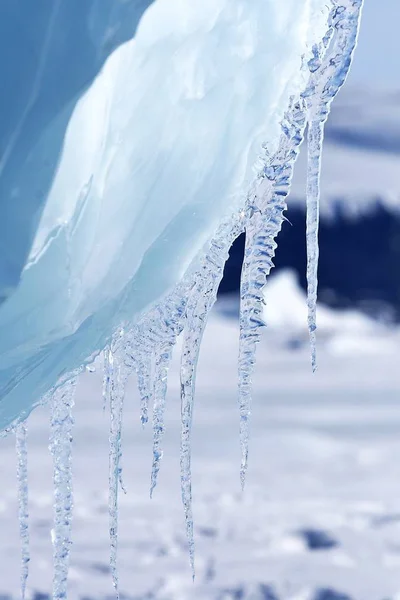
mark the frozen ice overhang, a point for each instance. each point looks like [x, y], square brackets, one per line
[156, 153]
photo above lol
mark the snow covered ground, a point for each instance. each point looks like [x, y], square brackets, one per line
[320, 518]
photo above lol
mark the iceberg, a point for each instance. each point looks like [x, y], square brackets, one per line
[156, 152]
[145, 138]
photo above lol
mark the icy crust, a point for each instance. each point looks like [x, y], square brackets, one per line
[158, 151]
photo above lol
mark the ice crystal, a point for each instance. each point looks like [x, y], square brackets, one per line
[117, 384]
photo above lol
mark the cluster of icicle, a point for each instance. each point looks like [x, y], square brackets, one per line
[146, 348]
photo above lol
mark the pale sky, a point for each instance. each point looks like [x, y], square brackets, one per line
[377, 60]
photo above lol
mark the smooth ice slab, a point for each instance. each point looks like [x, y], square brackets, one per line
[50, 52]
[159, 149]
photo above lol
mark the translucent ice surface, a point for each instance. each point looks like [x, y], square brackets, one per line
[106, 202]
[51, 51]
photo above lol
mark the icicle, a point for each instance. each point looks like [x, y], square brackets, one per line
[166, 325]
[107, 374]
[197, 316]
[23, 509]
[329, 68]
[188, 372]
[60, 447]
[163, 361]
[117, 391]
[264, 220]
[168, 322]
[314, 140]
[203, 297]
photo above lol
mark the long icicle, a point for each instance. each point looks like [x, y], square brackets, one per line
[167, 326]
[23, 508]
[108, 370]
[117, 391]
[163, 361]
[314, 140]
[189, 358]
[329, 68]
[62, 422]
[203, 297]
[264, 221]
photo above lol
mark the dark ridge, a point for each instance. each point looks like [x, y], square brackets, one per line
[359, 259]
[330, 594]
[318, 539]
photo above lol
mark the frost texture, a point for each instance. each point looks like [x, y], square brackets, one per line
[144, 344]
[23, 508]
[61, 426]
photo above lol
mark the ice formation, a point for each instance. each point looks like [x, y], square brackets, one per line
[23, 509]
[329, 67]
[159, 172]
[117, 380]
[61, 425]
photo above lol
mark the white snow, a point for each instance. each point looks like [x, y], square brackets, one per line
[339, 331]
[324, 455]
